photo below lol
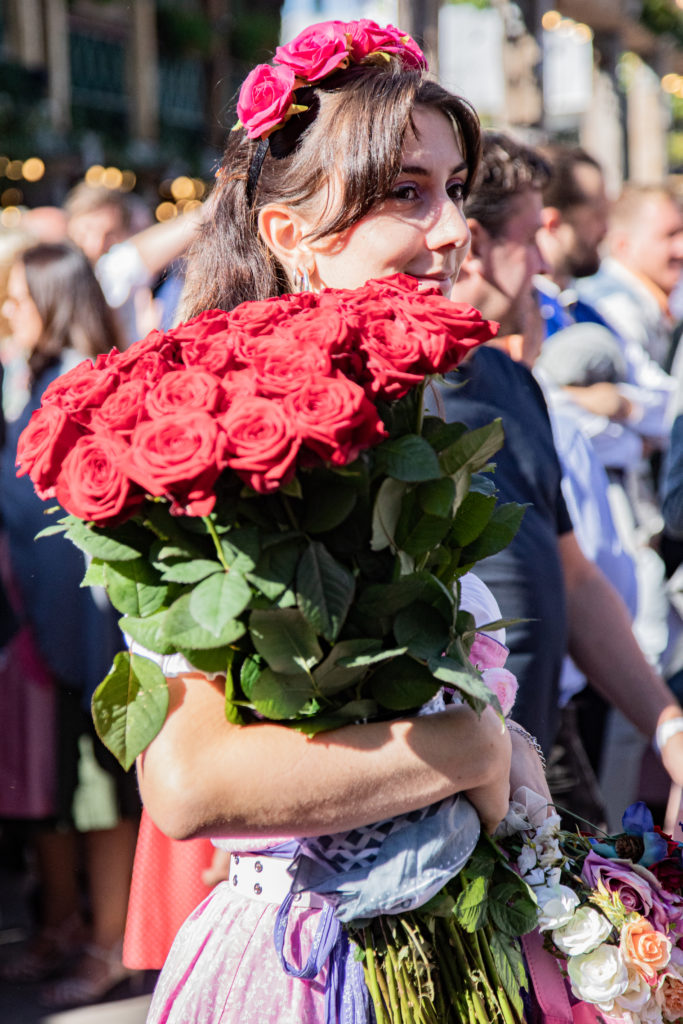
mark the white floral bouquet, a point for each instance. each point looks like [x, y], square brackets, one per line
[611, 913]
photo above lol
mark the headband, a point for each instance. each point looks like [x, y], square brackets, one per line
[273, 93]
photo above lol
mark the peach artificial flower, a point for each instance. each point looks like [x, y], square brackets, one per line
[647, 950]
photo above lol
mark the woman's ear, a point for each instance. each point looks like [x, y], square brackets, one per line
[283, 231]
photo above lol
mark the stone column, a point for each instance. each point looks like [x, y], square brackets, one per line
[58, 64]
[144, 100]
[25, 30]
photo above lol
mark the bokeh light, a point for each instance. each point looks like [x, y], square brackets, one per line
[11, 197]
[166, 211]
[13, 170]
[93, 176]
[33, 169]
[182, 188]
[10, 217]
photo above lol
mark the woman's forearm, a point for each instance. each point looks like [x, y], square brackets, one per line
[204, 776]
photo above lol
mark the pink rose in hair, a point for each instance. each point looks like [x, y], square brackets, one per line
[368, 37]
[316, 52]
[265, 98]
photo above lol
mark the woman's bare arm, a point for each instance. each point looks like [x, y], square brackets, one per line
[204, 776]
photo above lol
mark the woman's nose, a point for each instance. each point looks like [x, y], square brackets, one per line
[449, 227]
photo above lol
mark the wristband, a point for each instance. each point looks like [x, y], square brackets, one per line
[533, 742]
[665, 731]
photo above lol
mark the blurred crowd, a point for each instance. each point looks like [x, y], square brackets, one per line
[587, 373]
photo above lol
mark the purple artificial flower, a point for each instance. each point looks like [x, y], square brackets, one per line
[637, 889]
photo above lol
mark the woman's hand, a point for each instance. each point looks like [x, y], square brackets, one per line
[491, 799]
[526, 768]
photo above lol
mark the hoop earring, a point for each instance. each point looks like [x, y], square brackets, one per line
[302, 282]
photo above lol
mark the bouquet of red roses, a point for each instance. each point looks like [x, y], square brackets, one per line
[259, 492]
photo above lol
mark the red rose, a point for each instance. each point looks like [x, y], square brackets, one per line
[285, 364]
[252, 318]
[79, 392]
[123, 409]
[175, 454]
[43, 445]
[335, 419]
[151, 367]
[393, 360]
[669, 873]
[260, 443]
[191, 389]
[238, 384]
[464, 327]
[211, 354]
[155, 341]
[92, 485]
[205, 327]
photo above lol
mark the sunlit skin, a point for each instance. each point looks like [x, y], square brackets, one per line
[419, 230]
[21, 312]
[652, 243]
[95, 232]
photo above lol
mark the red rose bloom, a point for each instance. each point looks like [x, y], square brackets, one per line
[238, 384]
[155, 341]
[335, 419]
[91, 484]
[260, 443]
[211, 354]
[253, 318]
[43, 446]
[316, 52]
[393, 357]
[463, 326]
[123, 409]
[204, 327]
[175, 453]
[79, 392]
[192, 389]
[284, 364]
[265, 98]
[151, 367]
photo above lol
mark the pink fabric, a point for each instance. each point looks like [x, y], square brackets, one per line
[223, 968]
[548, 983]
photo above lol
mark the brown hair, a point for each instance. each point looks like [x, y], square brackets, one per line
[627, 208]
[507, 168]
[563, 190]
[351, 144]
[70, 302]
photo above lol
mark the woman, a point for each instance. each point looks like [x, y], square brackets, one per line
[58, 318]
[367, 180]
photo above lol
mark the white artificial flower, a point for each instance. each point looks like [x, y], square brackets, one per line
[598, 977]
[636, 995]
[536, 879]
[553, 876]
[586, 930]
[557, 904]
[526, 860]
[549, 854]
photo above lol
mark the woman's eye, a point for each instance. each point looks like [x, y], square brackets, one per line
[404, 192]
[456, 190]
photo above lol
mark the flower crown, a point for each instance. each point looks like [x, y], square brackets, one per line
[267, 97]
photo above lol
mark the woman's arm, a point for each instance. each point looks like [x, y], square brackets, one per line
[204, 776]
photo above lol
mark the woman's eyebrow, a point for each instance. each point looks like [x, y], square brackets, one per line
[417, 169]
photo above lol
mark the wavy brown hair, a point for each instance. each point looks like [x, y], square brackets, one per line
[70, 302]
[349, 144]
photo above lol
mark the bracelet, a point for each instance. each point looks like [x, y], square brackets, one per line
[665, 731]
[533, 742]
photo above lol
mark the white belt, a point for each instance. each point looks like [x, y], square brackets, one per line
[266, 879]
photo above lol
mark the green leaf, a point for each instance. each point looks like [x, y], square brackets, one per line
[421, 629]
[182, 571]
[211, 660]
[134, 587]
[241, 549]
[403, 684]
[94, 574]
[423, 535]
[436, 497]
[50, 531]
[275, 568]
[219, 599]
[252, 667]
[386, 513]
[331, 676]
[286, 640]
[291, 489]
[450, 672]
[512, 909]
[328, 505]
[278, 696]
[124, 544]
[129, 706]
[233, 712]
[182, 629]
[471, 519]
[441, 434]
[472, 904]
[501, 528]
[325, 590]
[372, 658]
[349, 714]
[386, 599]
[410, 458]
[509, 963]
[149, 632]
[473, 450]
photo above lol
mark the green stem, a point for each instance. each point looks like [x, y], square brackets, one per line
[216, 542]
[509, 1015]
[391, 980]
[480, 1014]
[290, 512]
[420, 406]
[370, 966]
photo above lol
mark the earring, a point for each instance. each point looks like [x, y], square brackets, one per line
[302, 282]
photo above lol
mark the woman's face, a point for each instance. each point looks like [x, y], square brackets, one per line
[420, 229]
[21, 312]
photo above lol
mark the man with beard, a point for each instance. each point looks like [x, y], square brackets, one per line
[542, 579]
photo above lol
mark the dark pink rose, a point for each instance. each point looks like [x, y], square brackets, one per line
[261, 444]
[316, 52]
[265, 97]
[367, 37]
[92, 484]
